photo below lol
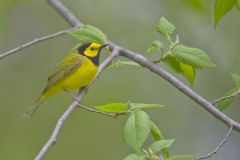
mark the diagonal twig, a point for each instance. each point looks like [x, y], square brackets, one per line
[224, 98]
[96, 111]
[35, 41]
[209, 155]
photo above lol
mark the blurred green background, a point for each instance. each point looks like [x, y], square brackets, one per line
[131, 24]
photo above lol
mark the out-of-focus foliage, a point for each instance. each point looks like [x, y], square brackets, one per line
[221, 8]
[238, 4]
[198, 4]
[130, 24]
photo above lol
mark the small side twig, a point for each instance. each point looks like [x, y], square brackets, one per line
[37, 40]
[65, 12]
[224, 98]
[58, 127]
[96, 111]
[219, 145]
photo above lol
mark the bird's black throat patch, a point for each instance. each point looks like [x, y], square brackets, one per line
[95, 59]
[81, 50]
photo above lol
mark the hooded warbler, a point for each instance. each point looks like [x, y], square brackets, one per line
[77, 70]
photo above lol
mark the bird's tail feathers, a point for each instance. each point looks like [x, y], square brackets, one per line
[29, 112]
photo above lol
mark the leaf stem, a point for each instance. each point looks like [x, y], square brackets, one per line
[96, 111]
[224, 98]
[35, 41]
[219, 145]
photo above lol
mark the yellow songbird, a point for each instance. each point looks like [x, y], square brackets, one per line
[77, 70]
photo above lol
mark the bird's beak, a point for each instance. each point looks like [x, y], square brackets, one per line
[103, 45]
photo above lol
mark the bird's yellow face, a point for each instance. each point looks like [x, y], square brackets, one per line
[92, 50]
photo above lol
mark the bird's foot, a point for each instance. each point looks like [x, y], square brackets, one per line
[117, 114]
[83, 88]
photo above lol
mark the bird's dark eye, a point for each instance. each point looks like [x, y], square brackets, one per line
[92, 48]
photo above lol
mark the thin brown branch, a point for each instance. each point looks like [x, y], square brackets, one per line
[96, 111]
[209, 155]
[65, 12]
[57, 129]
[35, 41]
[224, 98]
[71, 108]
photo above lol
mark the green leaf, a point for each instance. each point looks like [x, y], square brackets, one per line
[225, 103]
[192, 56]
[155, 131]
[189, 72]
[172, 63]
[221, 8]
[88, 33]
[137, 129]
[186, 70]
[182, 157]
[157, 135]
[113, 107]
[236, 79]
[136, 157]
[155, 46]
[134, 106]
[238, 4]
[159, 145]
[165, 28]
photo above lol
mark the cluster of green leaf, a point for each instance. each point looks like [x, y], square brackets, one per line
[88, 33]
[137, 129]
[222, 7]
[180, 58]
[231, 95]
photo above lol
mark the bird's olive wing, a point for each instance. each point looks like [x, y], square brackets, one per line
[70, 64]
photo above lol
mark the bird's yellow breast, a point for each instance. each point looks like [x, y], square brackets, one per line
[81, 77]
